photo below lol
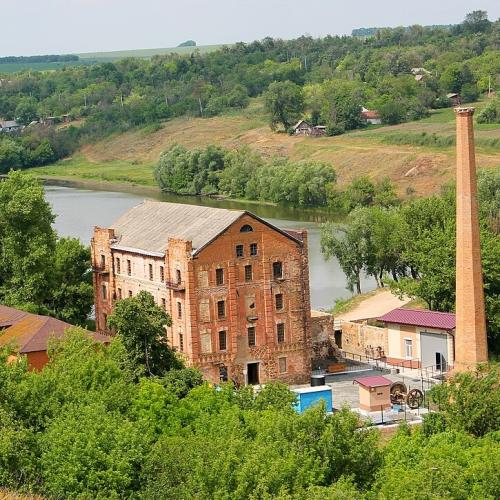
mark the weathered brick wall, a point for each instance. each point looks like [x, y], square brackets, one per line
[323, 336]
[248, 303]
[252, 303]
[103, 275]
[360, 338]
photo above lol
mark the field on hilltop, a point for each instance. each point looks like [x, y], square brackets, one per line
[131, 156]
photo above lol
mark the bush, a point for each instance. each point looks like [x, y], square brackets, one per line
[490, 113]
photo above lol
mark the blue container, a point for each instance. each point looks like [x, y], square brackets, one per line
[309, 396]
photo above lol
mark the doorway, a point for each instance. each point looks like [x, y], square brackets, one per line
[338, 338]
[253, 373]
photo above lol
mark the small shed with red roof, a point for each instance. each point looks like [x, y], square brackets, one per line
[420, 338]
[374, 392]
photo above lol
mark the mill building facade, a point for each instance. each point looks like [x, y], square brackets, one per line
[235, 286]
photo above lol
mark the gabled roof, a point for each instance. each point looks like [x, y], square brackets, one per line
[422, 317]
[300, 122]
[9, 123]
[31, 332]
[147, 227]
[374, 381]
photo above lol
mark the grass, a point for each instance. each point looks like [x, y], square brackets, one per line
[345, 305]
[40, 66]
[79, 167]
[420, 154]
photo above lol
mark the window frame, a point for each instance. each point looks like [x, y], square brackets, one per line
[280, 333]
[151, 272]
[248, 273]
[240, 251]
[129, 267]
[280, 360]
[222, 345]
[221, 307]
[179, 310]
[118, 265]
[251, 334]
[408, 344]
[162, 274]
[281, 300]
[275, 275]
[219, 276]
[254, 249]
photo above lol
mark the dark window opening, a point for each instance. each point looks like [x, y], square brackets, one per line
[253, 373]
[103, 261]
[247, 228]
[178, 276]
[251, 336]
[164, 304]
[277, 270]
[279, 301]
[239, 251]
[253, 249]
[248, 273]
[118, 266]
[104, 292]
[219, 276]
[221, 309]
[129, 267]
[222, 340]
[119, 293]
[181, 342]
[151, 272]
[162, 274]
[252, 305]
[280, 330]
[179, 310]
[130, 293]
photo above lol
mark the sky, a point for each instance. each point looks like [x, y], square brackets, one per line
[32, 27]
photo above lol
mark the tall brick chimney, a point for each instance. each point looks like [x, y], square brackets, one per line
[470, 335]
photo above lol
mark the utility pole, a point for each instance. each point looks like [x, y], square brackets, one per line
[489, 85]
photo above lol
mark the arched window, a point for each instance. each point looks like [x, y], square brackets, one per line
[247, 228]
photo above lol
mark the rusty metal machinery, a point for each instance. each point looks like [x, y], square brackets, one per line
[399, 394]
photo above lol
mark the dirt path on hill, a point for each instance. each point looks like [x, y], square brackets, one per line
[374, 306]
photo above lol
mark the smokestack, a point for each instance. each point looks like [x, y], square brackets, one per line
[471, 345]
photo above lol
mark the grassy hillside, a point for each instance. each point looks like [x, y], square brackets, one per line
[130, 157]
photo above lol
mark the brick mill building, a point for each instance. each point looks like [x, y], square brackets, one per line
[235, 286]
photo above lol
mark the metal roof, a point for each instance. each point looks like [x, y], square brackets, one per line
[374, 381]
[147, 227]
[31, 332]
[420, 317]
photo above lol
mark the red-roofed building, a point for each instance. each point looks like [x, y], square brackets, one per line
[420, 338]
[371, 116]
[29, 334]
[374, 392]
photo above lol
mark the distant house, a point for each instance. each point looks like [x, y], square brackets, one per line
[371, 117]
[420, 73]
[28, 334]
[454, 98]
[302, 127]
[9, 126]
[49, 120]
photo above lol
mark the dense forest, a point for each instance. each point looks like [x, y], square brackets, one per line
[96, 423]
[327, 79]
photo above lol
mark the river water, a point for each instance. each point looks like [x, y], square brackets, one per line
[79, 210]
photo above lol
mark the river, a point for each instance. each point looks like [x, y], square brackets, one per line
[79, 210]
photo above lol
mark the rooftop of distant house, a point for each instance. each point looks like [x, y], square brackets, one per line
[420, 317]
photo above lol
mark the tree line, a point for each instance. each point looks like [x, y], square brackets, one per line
[91, 424]
[39, 271]
[242, 173]
[411, 248]
[330, 78]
